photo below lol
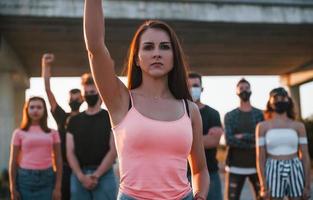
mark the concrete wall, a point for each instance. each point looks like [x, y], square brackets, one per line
[242, 11]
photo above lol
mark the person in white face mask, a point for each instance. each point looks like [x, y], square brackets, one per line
[212, 132]
[196, 93]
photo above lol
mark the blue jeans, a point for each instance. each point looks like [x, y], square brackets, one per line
[35, 184]
[105, 190]
[122, 196]
[215, 188]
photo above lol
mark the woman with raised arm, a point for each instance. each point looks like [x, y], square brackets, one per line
[35, 151]
[283, 162]
[155, 124]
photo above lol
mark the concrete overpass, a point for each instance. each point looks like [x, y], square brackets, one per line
[220, 37]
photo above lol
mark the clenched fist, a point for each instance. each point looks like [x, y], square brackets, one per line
[47, 59]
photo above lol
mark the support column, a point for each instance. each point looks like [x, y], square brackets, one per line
[13, 82]
[7, 122]
[293, 81]
[12, 98]
[295, 95]
[21, 83]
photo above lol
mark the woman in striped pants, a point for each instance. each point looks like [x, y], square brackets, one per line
[283, 162]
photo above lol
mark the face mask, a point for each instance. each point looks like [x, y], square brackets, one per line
[281, 106]
[75, 104]
[244, 96]
[195, 93]
[92, 99]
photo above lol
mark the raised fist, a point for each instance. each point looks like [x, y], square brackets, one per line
[47, 59]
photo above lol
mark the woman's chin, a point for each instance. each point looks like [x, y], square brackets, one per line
[158, 73]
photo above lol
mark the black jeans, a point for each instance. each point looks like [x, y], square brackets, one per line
[234, 184]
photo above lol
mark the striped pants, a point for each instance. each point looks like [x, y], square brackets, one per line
[284, 177]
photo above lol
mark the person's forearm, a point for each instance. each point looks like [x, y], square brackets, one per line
[260, 163]
[262, 174]
[12, 175]
[47, 83]
[46, 74]
[248, 137]
[59, 168]
[211, 141]
[93, 24]
[230, 138]
[200, 183]
[106, 163]
[73, 162]
[307, 171]
[49, 93]
[234, 142]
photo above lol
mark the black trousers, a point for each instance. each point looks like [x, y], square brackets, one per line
[234, 184]
[66, 182]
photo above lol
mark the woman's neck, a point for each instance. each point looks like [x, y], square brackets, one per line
[282, 117]
[155, 88]
[35, 123]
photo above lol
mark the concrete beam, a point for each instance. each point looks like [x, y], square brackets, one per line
[9, 61]
[297, 78]
[207, 11]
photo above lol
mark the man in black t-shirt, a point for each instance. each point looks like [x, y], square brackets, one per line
[61, 117]
[91, 150]
[212, 133]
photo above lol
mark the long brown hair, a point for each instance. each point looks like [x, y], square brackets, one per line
[177, 77]
[27, 121]
[268, 113]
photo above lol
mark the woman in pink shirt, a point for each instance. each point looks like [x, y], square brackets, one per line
[156, 125]
[35, 151]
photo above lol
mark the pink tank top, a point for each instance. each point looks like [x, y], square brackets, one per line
[153, 156]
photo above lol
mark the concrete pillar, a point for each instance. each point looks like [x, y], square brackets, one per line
[293, 81]
[21, 83]
[13, 82]
[12, 99]
[295, 94]
[7, 122]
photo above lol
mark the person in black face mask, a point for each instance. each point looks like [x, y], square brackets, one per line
[244, 95]
[75, 103]
[281, 104]
[90, 149]
[240, 126]
[61, 117]
[282, 144]
[91, 99]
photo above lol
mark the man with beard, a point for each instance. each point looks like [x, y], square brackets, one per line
[240, 126]
[61, 117]
[90, 149]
